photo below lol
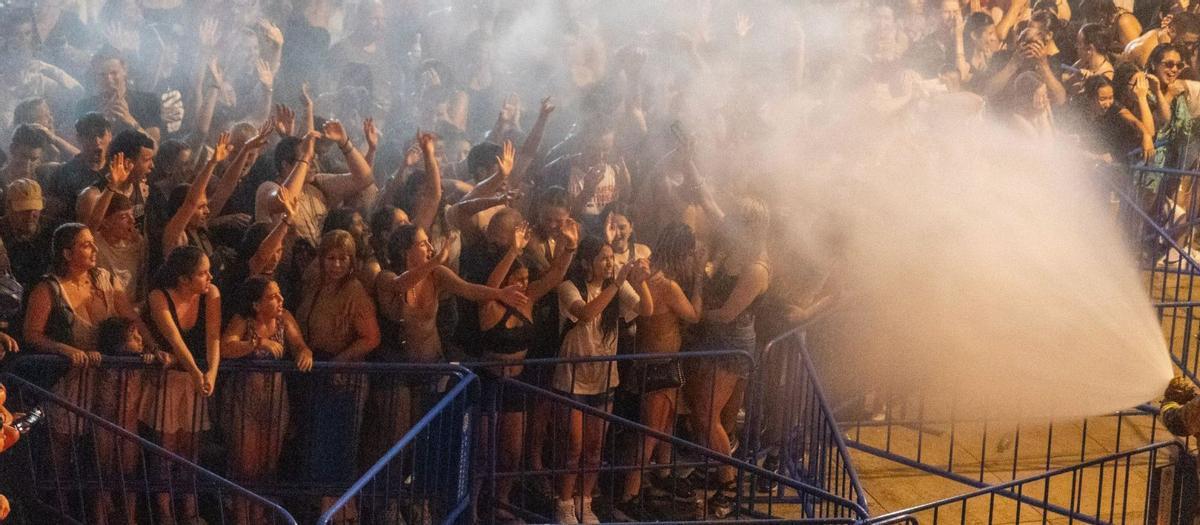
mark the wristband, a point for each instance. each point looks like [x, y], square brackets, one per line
[305, 161]
[345, 145]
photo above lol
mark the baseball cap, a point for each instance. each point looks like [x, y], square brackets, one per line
[24, 195]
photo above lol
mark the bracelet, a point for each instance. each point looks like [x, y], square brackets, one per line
[305, 161]
[345, 145]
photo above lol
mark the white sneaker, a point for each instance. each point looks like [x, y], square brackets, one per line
[565, 512]
[586, 511]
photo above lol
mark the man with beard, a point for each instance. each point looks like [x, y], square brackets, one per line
[26, 239]
[137, 151]
[94, 133]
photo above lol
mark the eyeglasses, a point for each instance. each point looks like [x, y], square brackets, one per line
[1173, 65]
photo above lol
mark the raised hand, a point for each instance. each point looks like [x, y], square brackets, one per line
[308, 145]
[568, 234]
[1141, 86]
[371, 133]
[119, 170]
[270, 32]
[743, 25]
[264, 133]
[520, 237]
[266, 76]
[222, 149]
[208, 33]
[305, 99]
[335, 132]
[510, 112]
[427, 142]
[443, 255]
[610, 229]
[413, 155]
[287, 201]
[505, 160]
[547, 107]
[285, 120]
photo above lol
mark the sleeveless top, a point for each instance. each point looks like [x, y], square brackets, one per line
[503, 339]
[193, 338]
[737, 334]
[262, 353]
[63, 325]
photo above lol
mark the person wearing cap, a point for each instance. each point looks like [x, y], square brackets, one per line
[94, 133]
[22, 231]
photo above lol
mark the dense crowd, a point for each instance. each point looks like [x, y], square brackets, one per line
[350, 181]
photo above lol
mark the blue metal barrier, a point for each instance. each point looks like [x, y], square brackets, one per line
[796, 421]
[793, 500]
[1138, 485]
[298, 437]
[99, 472]
[425, 475]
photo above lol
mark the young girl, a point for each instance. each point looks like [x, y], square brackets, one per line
[589, 306]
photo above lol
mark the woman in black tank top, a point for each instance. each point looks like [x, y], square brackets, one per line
[509, 332]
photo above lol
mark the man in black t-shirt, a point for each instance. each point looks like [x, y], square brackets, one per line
[133, 110]
[63, 186]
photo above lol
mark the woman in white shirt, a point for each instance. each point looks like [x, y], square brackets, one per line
[589, 314]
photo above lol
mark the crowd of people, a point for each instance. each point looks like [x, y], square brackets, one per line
[349, 181]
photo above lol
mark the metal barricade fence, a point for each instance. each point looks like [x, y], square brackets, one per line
[76, 467]
[608, 472]
[795, 422]
[295, 436]
[424, 477]
[1144, 485]
[521, 436]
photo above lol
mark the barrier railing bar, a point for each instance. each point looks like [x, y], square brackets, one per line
[702, 450]
[1004, 489]
[113, 427]
[425, 421]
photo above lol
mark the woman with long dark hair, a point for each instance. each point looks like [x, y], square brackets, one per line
[675, 282]
[590, 304]
[256, 403]
[63, 316]
[184, 312]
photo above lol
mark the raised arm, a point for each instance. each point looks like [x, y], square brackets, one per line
[1015, 9]
[118, 176]
[567, 242]
[307, 121]
[430, 192]
[638, 277]
[402, 283]
[533, 141]
[371, 135]
[261, 261]
[293, 185]
[492, 311]
[236, 169]
[344, 186]
[173, 233]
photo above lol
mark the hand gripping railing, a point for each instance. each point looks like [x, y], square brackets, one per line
[81, 468]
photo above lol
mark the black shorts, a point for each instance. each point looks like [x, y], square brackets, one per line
[503, 398]
[600, 401]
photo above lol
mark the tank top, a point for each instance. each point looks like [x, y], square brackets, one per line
[193, 338]
[502, 339]
[262, 353]
[737, 334]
